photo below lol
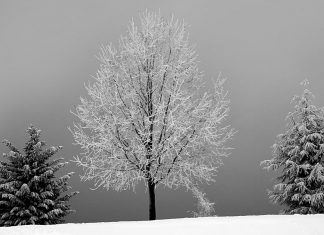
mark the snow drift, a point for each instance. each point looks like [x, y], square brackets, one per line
[258, 225]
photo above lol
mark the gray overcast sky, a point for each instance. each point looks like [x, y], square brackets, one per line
[265, 48]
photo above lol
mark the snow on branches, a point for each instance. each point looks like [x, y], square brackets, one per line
[30, 193]
[148, 115]
[298, 153]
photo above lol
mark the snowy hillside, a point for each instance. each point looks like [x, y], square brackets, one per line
[251, 225]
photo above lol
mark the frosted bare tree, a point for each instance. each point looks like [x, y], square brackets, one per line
[148, 115]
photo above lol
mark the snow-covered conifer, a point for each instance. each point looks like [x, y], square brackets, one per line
[30, 193]
[149, 115]
[298, 153]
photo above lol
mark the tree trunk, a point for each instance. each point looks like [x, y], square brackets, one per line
[152, 211]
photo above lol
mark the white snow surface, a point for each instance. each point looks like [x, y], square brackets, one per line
[240, 225]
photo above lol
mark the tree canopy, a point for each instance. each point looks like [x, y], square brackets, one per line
[149, 115]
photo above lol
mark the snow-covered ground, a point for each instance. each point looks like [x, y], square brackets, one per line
[258, 225]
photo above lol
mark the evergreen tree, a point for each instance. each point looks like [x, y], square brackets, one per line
[299, 153]
[30, 193]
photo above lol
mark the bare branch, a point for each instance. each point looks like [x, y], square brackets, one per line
[148, 115]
